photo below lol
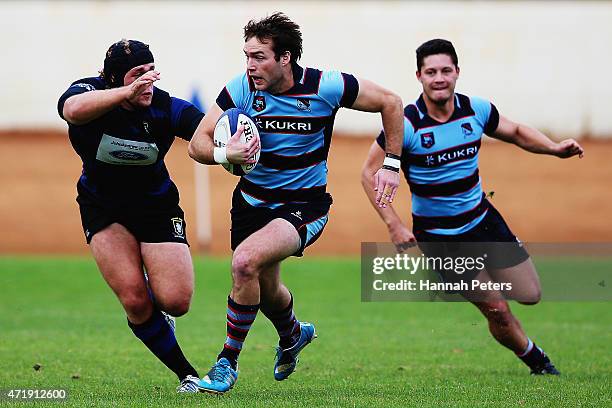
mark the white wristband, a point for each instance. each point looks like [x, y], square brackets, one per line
[220, 155]
[391, 162]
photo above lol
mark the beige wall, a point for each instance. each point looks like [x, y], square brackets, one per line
[544, 63]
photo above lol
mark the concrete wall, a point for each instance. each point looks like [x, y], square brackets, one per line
[543, 63]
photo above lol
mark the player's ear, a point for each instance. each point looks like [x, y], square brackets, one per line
[418, 75]
[286, 57]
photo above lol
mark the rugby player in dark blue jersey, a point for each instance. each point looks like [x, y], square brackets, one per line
[122, 127]
[282, 206]
[442, 134]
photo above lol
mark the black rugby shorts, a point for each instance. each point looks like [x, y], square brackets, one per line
[309, 219]
[491, 236]
[146, 224]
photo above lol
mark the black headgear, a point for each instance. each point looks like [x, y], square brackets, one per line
[123, 56]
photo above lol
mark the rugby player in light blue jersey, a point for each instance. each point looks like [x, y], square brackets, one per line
[282, 206]
[442, 134]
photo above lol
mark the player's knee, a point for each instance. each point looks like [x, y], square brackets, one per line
[137, 307]
[244, 267]
[499, 314]
[177, 307]
[531, 297]
[175, 302]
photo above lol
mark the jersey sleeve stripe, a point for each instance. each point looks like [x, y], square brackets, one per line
[224, 100]
[493, 122]
[351, 90]
[381, 140]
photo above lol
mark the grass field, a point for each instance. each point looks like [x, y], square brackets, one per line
[57, 312]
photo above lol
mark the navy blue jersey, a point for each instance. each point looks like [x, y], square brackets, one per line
[440, 163]
[123, 151]
[295, 128]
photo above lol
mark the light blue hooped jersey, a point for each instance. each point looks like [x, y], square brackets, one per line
[440, 163]
[295, 128]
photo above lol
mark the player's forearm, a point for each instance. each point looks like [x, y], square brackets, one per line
[533, 140]
[393, 123]
[201, 147]
[85, 107]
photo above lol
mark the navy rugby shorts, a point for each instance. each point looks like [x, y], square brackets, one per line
[491, 236]
[146, 224]
[309, 219]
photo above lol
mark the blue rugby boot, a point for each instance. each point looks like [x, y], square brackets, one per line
[220, 379]
[287, 359]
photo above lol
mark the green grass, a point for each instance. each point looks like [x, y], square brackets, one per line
[58, 312]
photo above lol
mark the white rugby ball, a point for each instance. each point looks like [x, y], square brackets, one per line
[226, 126]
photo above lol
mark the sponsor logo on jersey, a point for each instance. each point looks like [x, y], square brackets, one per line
[259, 103]
[303, 104]
[449, 156]
[114, 150]
[467, 129]
[297, 214]
[290, 124]
[427, 140]
[177, 224]
[127, 155]
[145, 125]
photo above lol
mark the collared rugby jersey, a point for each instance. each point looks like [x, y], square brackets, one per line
[440, 163]
[295, 128]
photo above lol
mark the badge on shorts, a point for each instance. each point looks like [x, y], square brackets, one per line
[427, 140]
[259, 103]
[177, 224]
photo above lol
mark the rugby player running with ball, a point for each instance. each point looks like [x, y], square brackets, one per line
[281, 206]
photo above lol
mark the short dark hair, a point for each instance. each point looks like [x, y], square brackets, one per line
[433, 47]
[283, 32]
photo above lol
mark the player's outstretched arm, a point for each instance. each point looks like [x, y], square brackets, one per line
[202, 148]
[83, 108]
[400, 235]
[375, 98]
[535, 141]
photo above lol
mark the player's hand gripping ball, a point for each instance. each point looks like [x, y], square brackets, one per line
[226, 126]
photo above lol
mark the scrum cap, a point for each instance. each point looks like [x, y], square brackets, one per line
[123, 56]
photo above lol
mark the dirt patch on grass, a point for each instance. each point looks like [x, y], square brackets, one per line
[544, 199]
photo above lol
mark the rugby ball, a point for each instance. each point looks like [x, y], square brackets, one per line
[226, 126]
